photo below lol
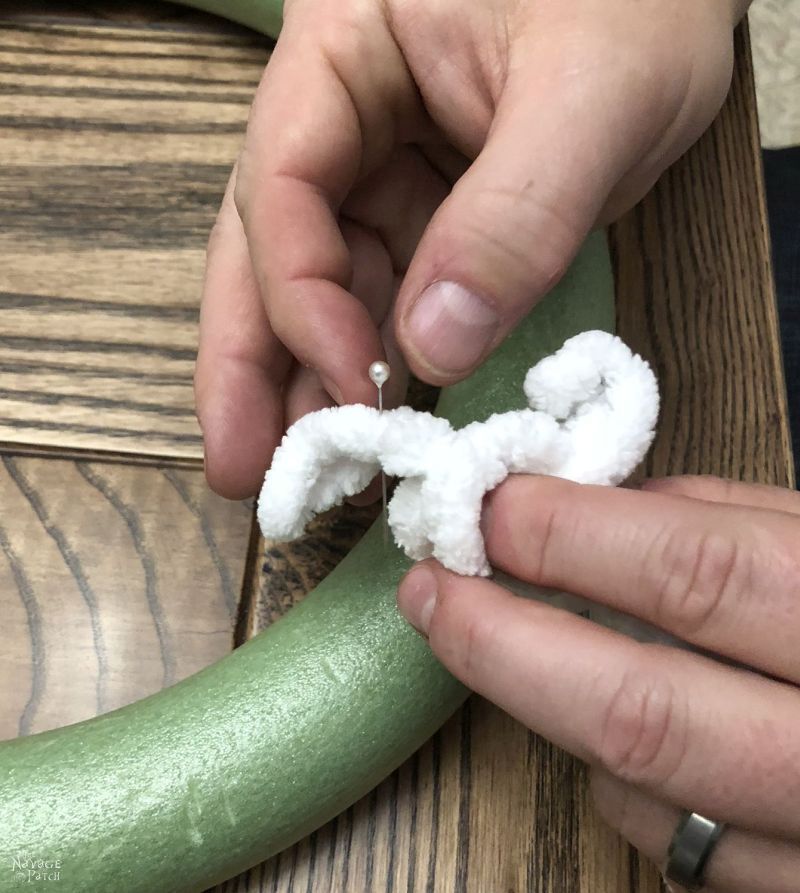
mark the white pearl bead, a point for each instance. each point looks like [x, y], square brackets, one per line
[379, 372]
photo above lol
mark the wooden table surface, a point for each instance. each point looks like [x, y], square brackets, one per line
[122, 573]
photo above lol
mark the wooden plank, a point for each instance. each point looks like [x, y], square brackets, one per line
[113, 172]
[695, 296]
[114, 582]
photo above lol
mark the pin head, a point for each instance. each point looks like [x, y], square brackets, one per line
[379, 372]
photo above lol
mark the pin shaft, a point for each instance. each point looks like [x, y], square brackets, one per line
[383, 481]
[379, 373]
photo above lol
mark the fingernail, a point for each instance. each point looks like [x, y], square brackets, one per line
[331, 387]
[451, 327]
[416, 597]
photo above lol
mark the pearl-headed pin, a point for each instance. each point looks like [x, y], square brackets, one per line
[379, 373]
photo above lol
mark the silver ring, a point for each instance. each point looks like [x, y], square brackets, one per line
[690, 849]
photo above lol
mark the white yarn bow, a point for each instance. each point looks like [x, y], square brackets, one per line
[593, 407]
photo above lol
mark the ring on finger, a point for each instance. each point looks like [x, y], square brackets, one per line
[692, 844]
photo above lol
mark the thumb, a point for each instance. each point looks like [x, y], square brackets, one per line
[508, 230]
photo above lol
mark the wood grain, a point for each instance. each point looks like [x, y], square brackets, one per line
[695, 296]
[114, 582]
[116, 143]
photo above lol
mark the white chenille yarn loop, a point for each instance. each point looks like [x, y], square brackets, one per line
[593, 409]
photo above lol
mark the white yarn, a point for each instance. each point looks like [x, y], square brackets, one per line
[593, 407]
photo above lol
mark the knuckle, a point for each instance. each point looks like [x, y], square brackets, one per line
[531, 219]
[643, 730]
[698, 578]
[541, 543]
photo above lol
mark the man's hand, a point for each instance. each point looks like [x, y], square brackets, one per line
[716, 564]
[416, 175]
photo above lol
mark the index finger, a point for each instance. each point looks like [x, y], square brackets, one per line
[724, 577]
[308, 141]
